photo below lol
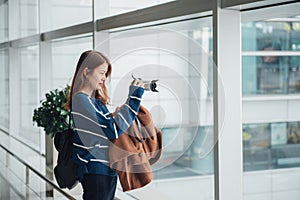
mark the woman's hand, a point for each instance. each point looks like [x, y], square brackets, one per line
[116, 112]
[138, 83]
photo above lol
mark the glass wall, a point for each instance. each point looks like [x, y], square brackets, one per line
[271, 145]
[271, 56]
[57, 14]
[65, 57]
[29, 94]
[177, 55]
[24, 20]
[4, 90]
[270, 78]
[113, 7]
[270, 67]
[184, 73]
[3, 21]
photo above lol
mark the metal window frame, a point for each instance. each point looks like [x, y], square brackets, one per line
[157, 13]
[271, 53]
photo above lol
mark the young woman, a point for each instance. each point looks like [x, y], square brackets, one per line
[95, 126]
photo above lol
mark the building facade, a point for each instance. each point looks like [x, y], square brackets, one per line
[172, 41]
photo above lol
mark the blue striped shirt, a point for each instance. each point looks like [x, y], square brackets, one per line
[94, 128]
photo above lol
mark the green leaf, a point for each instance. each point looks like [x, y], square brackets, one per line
[51, 115]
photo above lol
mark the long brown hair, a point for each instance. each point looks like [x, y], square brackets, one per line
[89, 59]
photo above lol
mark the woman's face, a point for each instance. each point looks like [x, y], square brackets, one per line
[97, 76]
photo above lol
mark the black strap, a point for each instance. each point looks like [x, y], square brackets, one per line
[69, 125]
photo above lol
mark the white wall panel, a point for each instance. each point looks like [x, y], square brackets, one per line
[262, 110]
[272, 184]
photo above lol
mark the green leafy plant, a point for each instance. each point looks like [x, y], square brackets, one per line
[52, 115]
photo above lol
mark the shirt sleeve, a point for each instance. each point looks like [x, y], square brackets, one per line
[90, 118]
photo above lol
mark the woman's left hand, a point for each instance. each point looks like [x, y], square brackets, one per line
[116, 111]
[137, 82]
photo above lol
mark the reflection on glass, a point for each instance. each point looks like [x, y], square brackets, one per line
[270, 69]
[29, 72]
[3, 21]
[268, 146]
[293, 133]
[270, 75]
[64, 58]
[27, 21]
[271, 35]
[256, 143]
[4, 92]
[178, 54]
[198, 158]
[57, 14]
[114, 7]
[294, 75]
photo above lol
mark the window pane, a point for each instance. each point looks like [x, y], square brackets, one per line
[4, 90]
[25, 19]
[3, 21]
[272, 35]
[29, 75]
[64, 59]
[256, 143]
[106, 8]
[270, 146]
[176, 54]
[57, 14]
[271, 74]
[293, 133]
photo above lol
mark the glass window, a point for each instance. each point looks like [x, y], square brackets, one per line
[198, 158]
[29, 93]
[293, 136]
[114, 7]
[274, 34]
[256, 145]
[269, 146]
[294, 75]
[271, 74]
[177, 55]
[25, 19]
[4, 90]
[57, 14]
[286, 150]
[3, 21]
[271, 56]
[65, 55]
[270, 68]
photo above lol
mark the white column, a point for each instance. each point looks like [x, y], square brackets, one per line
[46, 79]
[14, 91]
[45, 85]
[228, 102]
